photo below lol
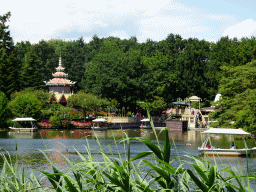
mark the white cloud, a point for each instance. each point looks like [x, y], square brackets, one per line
[121, 34]
[48, 19]
[245, 28]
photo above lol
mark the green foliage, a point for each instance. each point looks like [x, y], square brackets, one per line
[9, 66]
[191, 69]
[4, 112]
[195, 104]
[238, 89]
[25, 105]
[160, 77]
[115, 74]
[87, 101]
[59, 115]
[55, 120]
[129, 114]
[48, 59]
[156, 105]
[28, 103]
[30, 73]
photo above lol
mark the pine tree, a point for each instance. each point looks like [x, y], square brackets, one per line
[8, 63]
[30, 74]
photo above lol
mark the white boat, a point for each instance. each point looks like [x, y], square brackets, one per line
[101, 124]
[204, 150]
[145, 124]
[24, 125]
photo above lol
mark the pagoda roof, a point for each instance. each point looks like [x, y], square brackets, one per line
[60, 81]
[59, 74]
[60, 77]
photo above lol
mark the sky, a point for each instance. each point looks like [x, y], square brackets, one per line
[69, 20]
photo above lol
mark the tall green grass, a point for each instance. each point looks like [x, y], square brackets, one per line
[148, 171]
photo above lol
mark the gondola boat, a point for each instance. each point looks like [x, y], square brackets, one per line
[203, 150]
[145, 124]
[24, 125]
[101, 124]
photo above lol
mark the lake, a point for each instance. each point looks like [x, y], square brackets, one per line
[57, 142]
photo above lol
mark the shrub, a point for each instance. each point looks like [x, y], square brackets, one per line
[55, 120]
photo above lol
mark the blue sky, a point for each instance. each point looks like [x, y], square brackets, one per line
[210, 20]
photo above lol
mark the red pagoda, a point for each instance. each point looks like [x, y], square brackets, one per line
[60, 85]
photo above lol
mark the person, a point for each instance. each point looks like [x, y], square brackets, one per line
[208, 145]
[200, 116]
[232, 146]
[197, 116]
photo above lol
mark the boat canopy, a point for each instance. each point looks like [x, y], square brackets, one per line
[24, 119]
[99, 120]
[144, 120]
[226, 131]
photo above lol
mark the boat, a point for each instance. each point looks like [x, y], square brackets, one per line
[145, 124]
[101, 124]
[210, 150]
[24, 125]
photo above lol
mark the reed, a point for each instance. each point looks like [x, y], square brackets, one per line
[148, 171]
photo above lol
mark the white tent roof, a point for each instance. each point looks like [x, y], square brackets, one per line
[217, 97]
[99, 120]
[24, 119]
[226, 131]
[144, 120]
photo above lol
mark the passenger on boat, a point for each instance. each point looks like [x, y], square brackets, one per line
[208, 145]
[232, 146]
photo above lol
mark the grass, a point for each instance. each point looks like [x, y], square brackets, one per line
[148, 171]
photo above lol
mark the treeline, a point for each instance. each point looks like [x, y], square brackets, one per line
[125, 70]
[130, 71]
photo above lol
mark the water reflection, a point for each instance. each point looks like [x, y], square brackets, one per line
[22, 135]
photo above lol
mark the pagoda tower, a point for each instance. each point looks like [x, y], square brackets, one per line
[60, 85]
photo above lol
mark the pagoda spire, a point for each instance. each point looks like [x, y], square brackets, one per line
[60, 63]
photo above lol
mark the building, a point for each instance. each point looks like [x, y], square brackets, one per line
[184, 112]
[60, 85]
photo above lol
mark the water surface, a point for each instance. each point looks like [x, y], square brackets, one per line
[55, 143]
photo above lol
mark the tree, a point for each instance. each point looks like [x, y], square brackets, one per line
[48, 59]
[74, 59]
[191, 67]
[93, 47]
[238, 103]
[4, 112]
[161, 77]
[87, 101]
[149, 48]
[25, 105]
[31, 75]
[155, 105]
[9, 66]
[173, 45]
[115, 74]
[29, 103]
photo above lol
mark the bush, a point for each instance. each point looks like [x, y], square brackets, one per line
[81, 124]
[45, 124]
[55, 120]
[25, 105]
